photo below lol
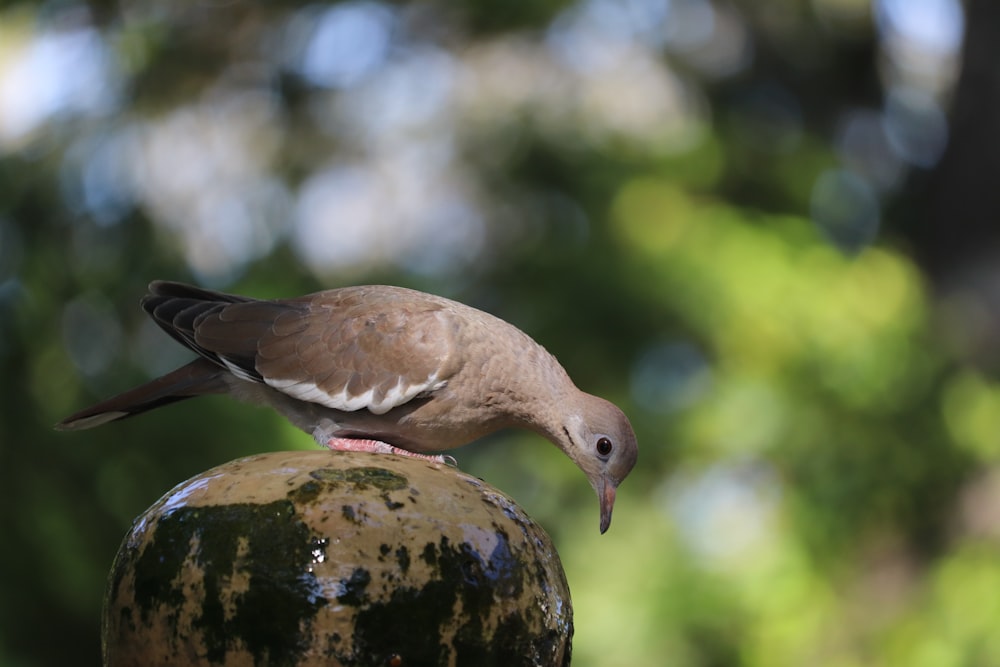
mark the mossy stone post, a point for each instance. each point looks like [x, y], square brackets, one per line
[336, 558]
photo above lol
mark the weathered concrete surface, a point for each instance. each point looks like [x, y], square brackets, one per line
[336, 558]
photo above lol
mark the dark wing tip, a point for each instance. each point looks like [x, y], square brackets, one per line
[171, 289]
[174, 289]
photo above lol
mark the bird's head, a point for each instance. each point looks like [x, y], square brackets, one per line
[600, 440]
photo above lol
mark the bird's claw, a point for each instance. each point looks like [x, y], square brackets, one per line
[379, 447]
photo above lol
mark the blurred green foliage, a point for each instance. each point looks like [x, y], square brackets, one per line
[819, 478]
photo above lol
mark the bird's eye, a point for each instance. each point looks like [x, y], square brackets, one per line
[604, 446]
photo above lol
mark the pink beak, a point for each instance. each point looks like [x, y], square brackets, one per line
[606, 494]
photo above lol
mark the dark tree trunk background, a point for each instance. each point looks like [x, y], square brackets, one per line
[954, 210]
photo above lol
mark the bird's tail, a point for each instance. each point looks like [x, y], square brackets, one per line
[196, 378]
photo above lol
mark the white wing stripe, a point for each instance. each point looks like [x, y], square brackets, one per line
[236, 370]
[396, 396]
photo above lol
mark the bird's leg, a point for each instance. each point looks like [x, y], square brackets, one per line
[379, 447]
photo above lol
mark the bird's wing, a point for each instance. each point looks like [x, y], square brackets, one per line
[371, 348]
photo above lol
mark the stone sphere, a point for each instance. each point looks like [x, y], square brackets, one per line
[336, 558]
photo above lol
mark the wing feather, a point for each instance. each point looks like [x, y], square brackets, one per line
[349, 349]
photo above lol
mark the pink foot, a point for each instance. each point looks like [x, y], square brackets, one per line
[379, 447]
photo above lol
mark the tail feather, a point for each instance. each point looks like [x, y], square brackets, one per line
[195, 379]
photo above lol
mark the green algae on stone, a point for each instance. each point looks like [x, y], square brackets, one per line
[361, 478]
[267, 546]
[351, 559]
[307, 493]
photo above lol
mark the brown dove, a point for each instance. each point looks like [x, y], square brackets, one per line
[382, 369]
